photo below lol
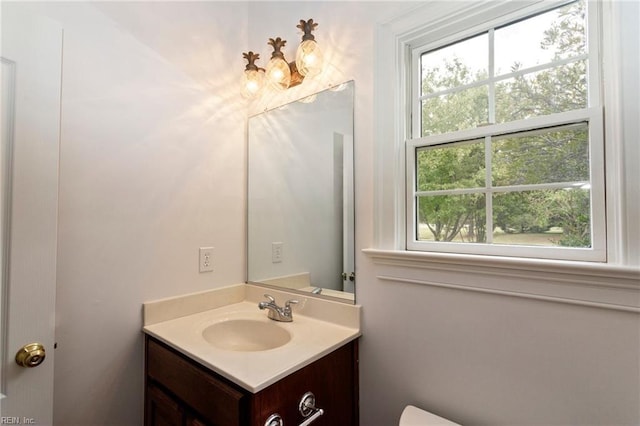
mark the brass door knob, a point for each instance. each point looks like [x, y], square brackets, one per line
[30, 355]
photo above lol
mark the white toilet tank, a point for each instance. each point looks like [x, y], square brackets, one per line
[413, 416]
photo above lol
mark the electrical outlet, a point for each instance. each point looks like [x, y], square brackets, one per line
[276, 252]
[206, 259]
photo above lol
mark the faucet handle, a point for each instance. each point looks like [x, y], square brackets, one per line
[270, 297]
[287, 308]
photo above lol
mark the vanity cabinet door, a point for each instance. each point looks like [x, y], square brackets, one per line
[192, 421]
[199, 390]
[161, 409]
[333, 380]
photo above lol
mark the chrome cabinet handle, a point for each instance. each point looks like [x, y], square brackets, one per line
[274, 420]
[313, 418]
[307, 408]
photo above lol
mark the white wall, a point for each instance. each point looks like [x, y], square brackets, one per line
[151, 169]
[486, 358]
[441, 339]
[475, 357]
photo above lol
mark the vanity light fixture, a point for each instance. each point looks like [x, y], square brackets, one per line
[279, 73]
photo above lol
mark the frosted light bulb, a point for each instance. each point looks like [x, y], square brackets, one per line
[309, 58]
[253, 81]
[278, 73]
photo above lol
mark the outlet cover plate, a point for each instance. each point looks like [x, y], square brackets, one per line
[276, 252]
[206, 259]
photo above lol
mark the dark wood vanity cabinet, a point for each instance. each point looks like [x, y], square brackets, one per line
[179, 391]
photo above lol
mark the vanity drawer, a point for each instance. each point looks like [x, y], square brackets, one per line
[215, 401]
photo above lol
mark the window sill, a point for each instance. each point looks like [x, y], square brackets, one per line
[582, 283]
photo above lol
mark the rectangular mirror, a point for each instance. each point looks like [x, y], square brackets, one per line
[300, 198]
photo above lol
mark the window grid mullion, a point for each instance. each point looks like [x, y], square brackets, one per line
[488, 197]
[506, 188]
[492, 83]
[416, 96]
[519, 126]
[495, 79]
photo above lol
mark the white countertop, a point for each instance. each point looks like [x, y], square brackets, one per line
[312, 336]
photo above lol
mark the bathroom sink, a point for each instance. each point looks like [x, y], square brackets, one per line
[239, 342]
[246, 335]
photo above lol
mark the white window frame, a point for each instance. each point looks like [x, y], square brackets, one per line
[592, 115]
[612, 285]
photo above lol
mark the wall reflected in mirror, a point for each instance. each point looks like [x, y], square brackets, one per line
[300, 198]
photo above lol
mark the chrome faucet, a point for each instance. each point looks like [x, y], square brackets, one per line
[276, 312]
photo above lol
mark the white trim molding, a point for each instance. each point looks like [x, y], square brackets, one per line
[579, 283]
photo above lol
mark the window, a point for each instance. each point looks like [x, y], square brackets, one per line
[505, 147]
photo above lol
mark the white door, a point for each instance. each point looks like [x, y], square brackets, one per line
[31, 79]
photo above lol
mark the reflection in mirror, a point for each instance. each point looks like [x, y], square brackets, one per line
[6, 126]
[300, 218]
